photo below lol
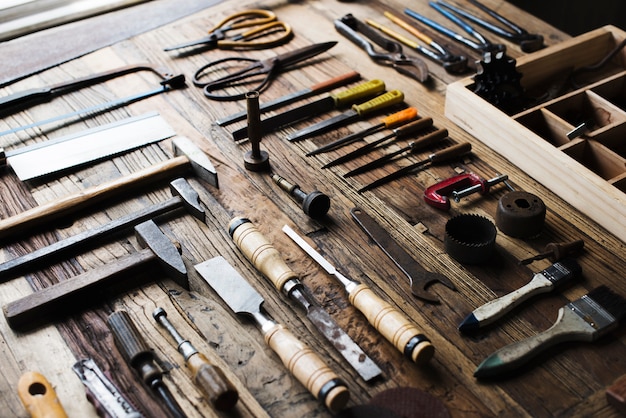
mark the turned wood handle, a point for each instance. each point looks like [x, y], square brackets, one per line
[219, 391]
[308, 368]
[260, 252]
[44, 213]
[38, 396]
[392, 324]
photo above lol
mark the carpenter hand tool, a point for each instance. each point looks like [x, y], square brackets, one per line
[529, 42]
[172, 83]
[255, 159]
[408, 65]
[261, 35]
[383, 316]
[557, 275]
[184, 196]
[397, 133]
[314, 204]
[60, 154]
[357, 111]
[141, 358]
[419, 277]
[480, 44]
[313, 90]
[459, 186]
[302, 361]
[556, 251]
[589, 318]
[338, 100]
[211, 380]
[413, 146]
[38, 396]
[30, 310]
[238, 76]
[452, 63]
[102, 393]
[399, 118]
[188, 157]
[262, 254]
[25, 99]
[437, 157]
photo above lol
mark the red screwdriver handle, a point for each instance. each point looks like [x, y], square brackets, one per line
[437, 194]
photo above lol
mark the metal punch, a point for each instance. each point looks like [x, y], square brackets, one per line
[411, 66]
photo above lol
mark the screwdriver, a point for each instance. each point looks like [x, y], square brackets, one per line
[356, 112]
[139, 356]
[397, 133]
[219, 391]
[555, 251]
[396, 119]
[437, 157]
[412, 147]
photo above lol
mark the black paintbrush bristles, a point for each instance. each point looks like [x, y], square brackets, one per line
[610, 301]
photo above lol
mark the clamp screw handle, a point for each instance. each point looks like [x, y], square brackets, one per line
[482, 187]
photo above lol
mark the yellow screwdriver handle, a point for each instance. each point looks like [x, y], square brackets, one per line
[358, 92]
[399, 118]
[39, 397]
[380, 102]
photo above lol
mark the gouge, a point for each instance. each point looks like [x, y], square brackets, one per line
[302, 362]
[419, 277]
[38, 396]
[388, 320]
[264, 256]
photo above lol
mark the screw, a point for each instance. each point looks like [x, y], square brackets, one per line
[256, 159]
[482, 187]
[314, 204]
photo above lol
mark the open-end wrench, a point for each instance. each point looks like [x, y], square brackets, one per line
[419, 277]
[459, 186]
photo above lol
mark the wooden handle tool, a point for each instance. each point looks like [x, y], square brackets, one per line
[39, 397]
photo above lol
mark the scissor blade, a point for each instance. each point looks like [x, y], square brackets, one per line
[207, 41]
[293, 57]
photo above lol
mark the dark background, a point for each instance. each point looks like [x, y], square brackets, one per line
[576, 16]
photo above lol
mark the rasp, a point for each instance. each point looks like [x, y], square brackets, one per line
[419, 277]
[268, 261]
[301, 361]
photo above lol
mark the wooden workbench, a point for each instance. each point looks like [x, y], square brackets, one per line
[570, 381]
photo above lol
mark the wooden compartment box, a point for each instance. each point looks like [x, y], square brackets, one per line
[589, 170]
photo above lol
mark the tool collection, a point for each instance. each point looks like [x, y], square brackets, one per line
[469, 239]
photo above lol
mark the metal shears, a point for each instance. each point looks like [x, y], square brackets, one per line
[265, 32]
[265, 70]
[411, 66]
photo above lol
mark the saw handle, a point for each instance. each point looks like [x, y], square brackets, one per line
[308, 368]
[392, 324]
[38, 396]
[260, 252]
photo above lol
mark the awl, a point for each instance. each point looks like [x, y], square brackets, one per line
[388, 320]
[557, 275]
[294, 97]
[338, 100]
[269, 262]
[357, 112]
[301, 360]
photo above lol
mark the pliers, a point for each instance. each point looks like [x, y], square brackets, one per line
[411, 66]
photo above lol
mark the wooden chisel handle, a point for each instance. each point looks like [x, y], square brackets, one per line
[260, 252]
[392, 324]
[57, 208]
[39, 397]
[308, 368]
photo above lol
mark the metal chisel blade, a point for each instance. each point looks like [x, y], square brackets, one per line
[346, 346]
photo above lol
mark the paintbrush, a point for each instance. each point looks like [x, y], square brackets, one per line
[555, 276]
[586, 319]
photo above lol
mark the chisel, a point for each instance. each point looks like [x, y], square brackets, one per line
[388, 320]
[318, 88]
[357, 112]
[338, 100]
[302, 362]
[269, 262]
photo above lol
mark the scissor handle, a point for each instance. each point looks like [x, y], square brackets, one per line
[244, 19]
[246, 40]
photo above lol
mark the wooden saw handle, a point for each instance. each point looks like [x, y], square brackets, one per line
[308, 368]
[39, 397]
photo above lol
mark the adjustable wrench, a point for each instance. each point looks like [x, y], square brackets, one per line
[459, 186]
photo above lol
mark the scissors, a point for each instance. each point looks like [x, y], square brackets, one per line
[263, 24]
[249, 74]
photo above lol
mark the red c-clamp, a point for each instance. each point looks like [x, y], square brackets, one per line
[459, 186]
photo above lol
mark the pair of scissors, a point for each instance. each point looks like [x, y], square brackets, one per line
[265, 32]
[250, 74]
